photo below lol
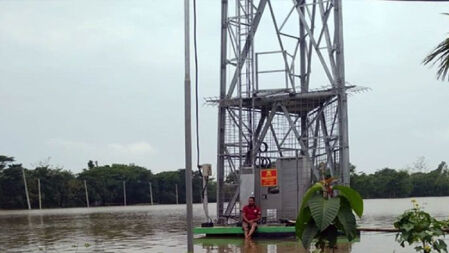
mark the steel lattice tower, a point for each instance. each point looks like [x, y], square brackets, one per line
[282, 90]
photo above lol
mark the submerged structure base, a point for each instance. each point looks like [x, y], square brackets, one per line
[234, 231]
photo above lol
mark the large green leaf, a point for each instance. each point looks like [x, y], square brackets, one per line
[304, 212]
[323, 210]
[353, 197]
[309, 233]
[301, 221]
[309, 193]
[347, 219]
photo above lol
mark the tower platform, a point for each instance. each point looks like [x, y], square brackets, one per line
[296, 103]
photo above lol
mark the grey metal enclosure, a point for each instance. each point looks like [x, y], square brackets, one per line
[283, 200]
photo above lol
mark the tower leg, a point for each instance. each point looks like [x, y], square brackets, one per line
[342, 96]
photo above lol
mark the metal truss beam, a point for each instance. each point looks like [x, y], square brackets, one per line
[248, 43]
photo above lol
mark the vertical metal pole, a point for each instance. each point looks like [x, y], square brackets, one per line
[176, 190]
[240, 64]
[124, 193]
[87, 194]
[302, 50]
[39, 192]
[26, 189]
[342, 96]
[222, 111]
[188, 128]
[151, 194]
[303, 71]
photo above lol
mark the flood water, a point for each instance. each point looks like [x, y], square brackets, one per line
[161, 228]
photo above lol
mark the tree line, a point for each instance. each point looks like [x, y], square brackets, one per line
[391, 183]
[62, 188]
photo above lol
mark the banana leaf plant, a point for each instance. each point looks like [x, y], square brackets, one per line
[326, 211]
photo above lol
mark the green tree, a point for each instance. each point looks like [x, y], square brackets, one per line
[56, 186]
[364, 184]
[433, 183]
[166, 183]
[105, 184]
[11, 188]
[90, 164]
[4, 160]
[391, 183]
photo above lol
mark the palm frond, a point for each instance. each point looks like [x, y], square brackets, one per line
[440, 57]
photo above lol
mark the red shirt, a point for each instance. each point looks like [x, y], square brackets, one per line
[251, 212]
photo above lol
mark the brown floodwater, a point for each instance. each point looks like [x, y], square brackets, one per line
[161, 228]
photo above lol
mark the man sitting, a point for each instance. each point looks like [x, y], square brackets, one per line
[251, 215]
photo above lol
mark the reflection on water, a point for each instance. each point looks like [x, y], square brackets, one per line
[116, 229]
[258, 245]
[162, 229]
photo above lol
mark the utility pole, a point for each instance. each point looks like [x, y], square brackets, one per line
[188, 128]
[26, 189]
[39, 191]
[222, 111]
[151, 194]
[87, 194]
[176, 189]
[124, 193]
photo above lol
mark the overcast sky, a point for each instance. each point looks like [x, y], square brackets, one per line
[103, 80]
